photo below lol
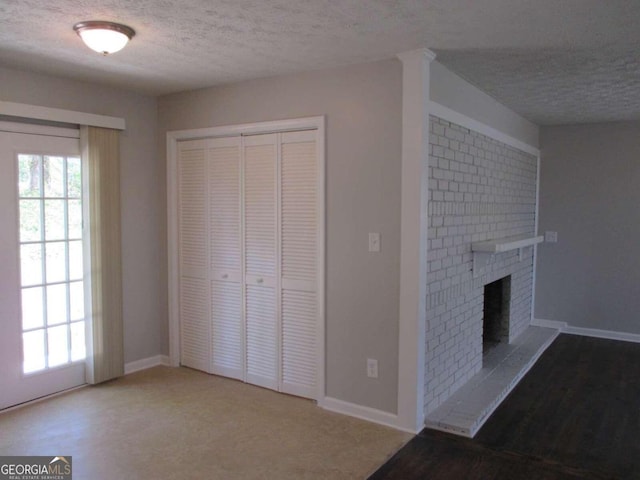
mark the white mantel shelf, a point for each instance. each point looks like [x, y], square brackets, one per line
[505, 244]
[482, 251]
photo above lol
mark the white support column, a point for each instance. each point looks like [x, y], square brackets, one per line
[414, 223]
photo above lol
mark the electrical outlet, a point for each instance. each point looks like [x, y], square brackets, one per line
[372, 368]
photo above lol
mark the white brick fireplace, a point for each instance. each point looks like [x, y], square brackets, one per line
[479, 190]
[468, 218]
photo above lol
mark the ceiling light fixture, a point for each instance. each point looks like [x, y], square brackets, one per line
[104, 37]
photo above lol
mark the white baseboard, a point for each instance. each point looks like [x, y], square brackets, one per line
[540, 322]
[608, 334]
[42, 399]
[145, 363]
[564, 327]
[364, 413]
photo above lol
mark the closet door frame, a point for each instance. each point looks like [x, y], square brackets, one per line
[279, 126]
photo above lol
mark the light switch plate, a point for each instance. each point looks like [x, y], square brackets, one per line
[372, 368]
[551, 237]
[374, 242]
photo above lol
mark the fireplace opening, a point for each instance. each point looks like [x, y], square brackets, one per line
[495, 321]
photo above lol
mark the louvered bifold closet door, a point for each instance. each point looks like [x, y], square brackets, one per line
[195, 326]
[299, 257]
[225, 243]
[261, 263]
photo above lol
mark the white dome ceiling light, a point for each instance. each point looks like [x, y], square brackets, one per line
[104, 37]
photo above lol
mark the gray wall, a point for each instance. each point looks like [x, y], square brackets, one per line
[143, 205]
[363, 108]
[590, 195]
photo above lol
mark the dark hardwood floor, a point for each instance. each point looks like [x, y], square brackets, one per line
[575, 415]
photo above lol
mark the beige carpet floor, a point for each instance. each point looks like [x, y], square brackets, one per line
[176, 423]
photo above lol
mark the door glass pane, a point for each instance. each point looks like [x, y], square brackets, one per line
[56, 304]
[32, 311]
[31, 264]
[51, 260]
[78, 342]
[75, 219]
[54, 181]
[56, 262]
[58, 345]
[76, 300]
[74, 178]
[34, 352]
[54, 219]
[30, 220]
[75, 260]
[29, 175]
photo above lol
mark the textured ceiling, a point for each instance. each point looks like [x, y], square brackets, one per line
[554, 86]
[553, 61]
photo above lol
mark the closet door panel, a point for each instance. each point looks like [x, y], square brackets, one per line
[260, 205]
[225, 243]
[195, 327]
[299, 257]
[299, 349]
[224, 205]
[260, 242]
[227, 329]
[262, 337]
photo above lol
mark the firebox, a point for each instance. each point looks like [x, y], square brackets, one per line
[495, 320]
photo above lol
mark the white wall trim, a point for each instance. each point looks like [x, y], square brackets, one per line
[145, 363]
[23, 110]
[539, 322]
[172, 248]
[363, 413]
[42, 399]
[277, 126]
[413, 238]
[535, 246]
[274, 126]
[321, 330]
[452, 116]
[564, 327]
[607, 334]
[44, 130]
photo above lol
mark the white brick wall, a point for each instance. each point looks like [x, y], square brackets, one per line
[479, 189]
